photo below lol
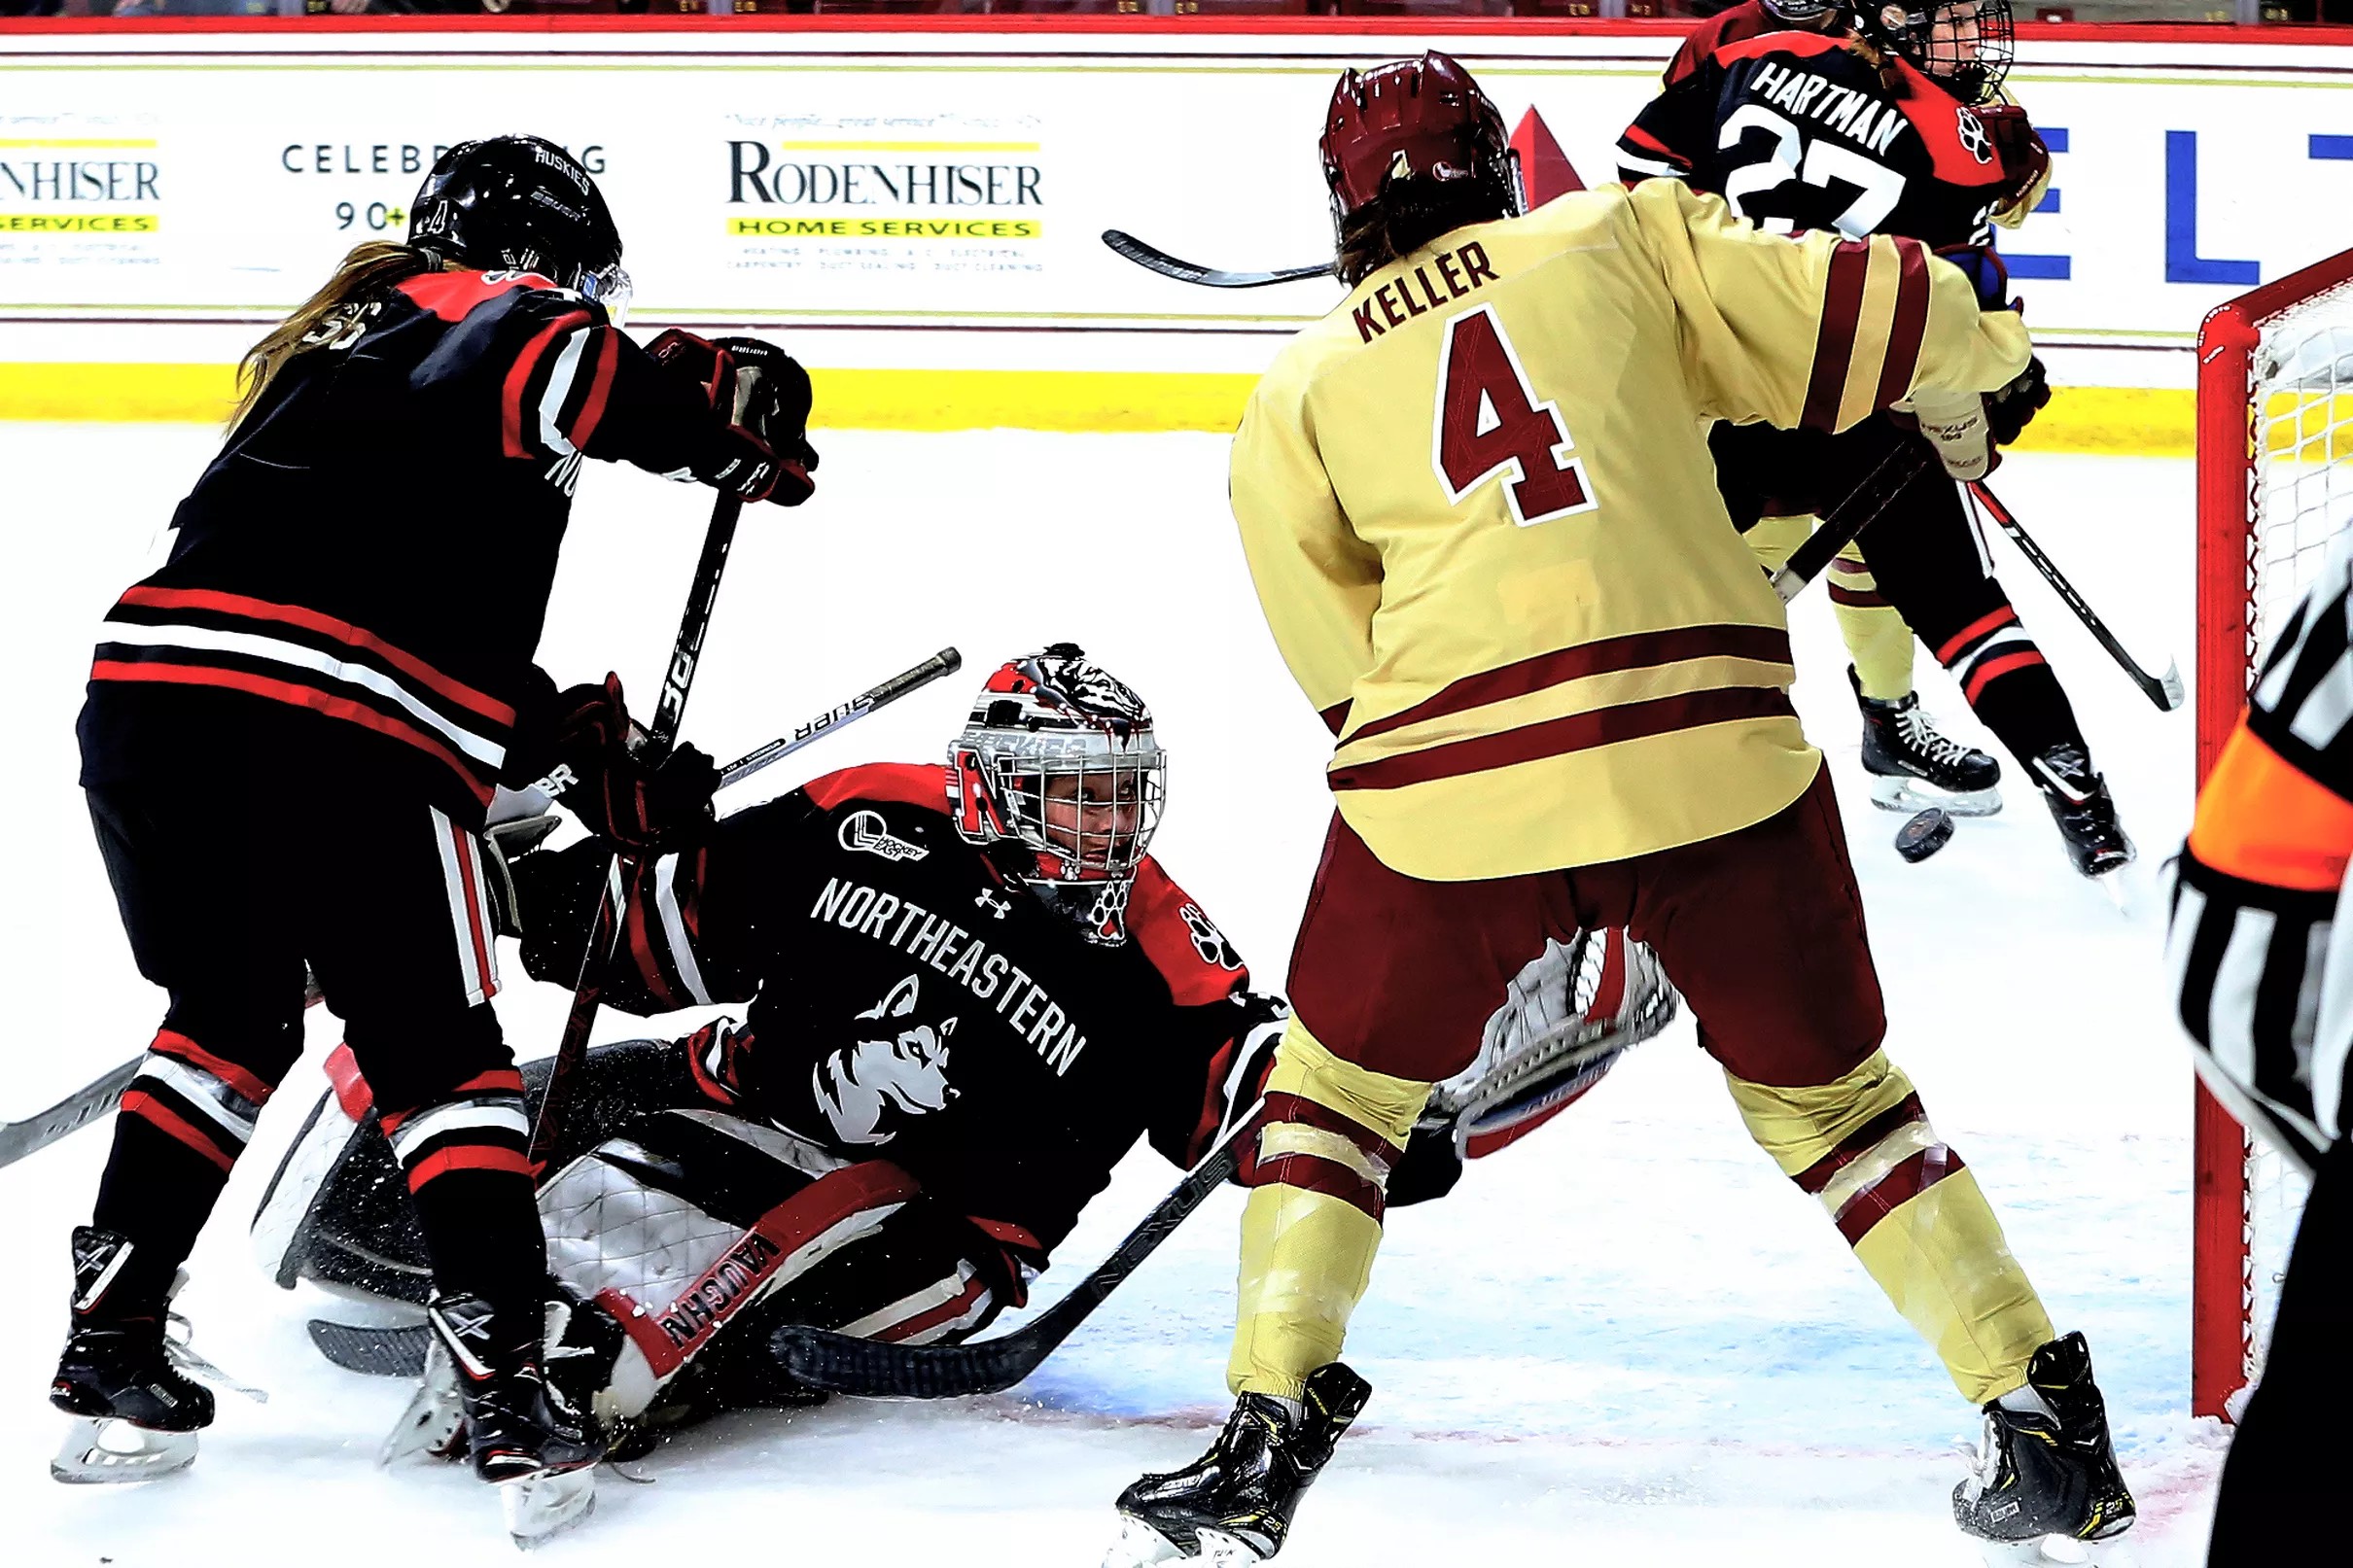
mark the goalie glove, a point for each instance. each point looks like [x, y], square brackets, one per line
[1571, 1012]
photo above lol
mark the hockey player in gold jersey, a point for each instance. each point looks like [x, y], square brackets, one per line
[1477, 504]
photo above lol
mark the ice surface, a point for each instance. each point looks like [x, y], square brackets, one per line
[1627, 1340]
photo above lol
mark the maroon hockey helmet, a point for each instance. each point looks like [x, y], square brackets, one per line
[1414, 119]
[1058, 764]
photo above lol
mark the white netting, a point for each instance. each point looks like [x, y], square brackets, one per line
[2301, 496]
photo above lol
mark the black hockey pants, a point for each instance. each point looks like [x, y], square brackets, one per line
[228, 895]
[2293, 1446]
[1926, 558]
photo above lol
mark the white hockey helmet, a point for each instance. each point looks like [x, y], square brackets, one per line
[1059, 763]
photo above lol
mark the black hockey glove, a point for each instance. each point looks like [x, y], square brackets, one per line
[2010, 410]
[638, 802]
[761, 396]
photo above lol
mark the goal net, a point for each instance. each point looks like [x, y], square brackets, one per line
[2274, 485]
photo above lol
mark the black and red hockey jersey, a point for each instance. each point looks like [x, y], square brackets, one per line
[359, 576]
[1731, 25]
[1800, 131]
[908, 1004]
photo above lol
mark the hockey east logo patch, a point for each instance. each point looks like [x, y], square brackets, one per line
[864, 832]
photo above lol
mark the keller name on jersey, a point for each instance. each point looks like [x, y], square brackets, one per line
[1462, 270]
[1871, 122]
[905, 926]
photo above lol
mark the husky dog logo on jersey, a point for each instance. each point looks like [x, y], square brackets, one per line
[905, 1070]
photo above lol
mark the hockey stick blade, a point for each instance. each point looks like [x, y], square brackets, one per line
[1154, 259]
[843, 1365]
[2165, 690]
[75, 1111]
[946, 662]
[396, 1351]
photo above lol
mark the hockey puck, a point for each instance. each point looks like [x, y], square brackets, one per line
[1925, 834]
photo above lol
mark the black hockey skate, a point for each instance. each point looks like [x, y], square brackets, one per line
[137, 1412]
[519, 1431]
[2083, 810]
[2043, 1475]
[1234, 1504]
[1913, 765]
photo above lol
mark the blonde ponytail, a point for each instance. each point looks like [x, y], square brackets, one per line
[371, 268]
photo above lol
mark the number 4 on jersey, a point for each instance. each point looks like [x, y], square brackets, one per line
[1490, 422]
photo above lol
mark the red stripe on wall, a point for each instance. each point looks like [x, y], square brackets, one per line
[1558, 737]
[1636, 650]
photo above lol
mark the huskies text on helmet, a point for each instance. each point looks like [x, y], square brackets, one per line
[523, 204]
[1058, 770]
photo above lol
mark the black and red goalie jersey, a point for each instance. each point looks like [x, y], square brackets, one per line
[1805, 131]
[911, 1004]
[361, 574]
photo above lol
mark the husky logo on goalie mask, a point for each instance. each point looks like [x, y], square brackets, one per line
[523, 204]
[1058, 765]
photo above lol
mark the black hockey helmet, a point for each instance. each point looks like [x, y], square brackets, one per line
[524, 203]
[1963, 46]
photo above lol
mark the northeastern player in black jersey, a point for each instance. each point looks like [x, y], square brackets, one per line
[350, 598]
[972, 992]
[1888, 122]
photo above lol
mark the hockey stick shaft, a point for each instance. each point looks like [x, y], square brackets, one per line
[677, 680]
[2165, 690]
[1152, 258]
[1903, 464]
[844, 1365]
[946, 662]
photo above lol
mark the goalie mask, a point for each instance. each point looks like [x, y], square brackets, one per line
[1059, 771]
[1963, 46]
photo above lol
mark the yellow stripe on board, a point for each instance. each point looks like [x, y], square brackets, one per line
[75, 142]
[2116, 420]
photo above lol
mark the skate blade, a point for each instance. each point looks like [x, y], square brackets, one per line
[1224, 1550]
[1138, 1545]
[2057, 1551]
[429, 1425]
[1902, 793]
[542, 1506]
[104, 1452]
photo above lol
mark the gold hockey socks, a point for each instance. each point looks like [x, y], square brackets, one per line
[1317, 1171]
[1912, 1213]
[1878, 641]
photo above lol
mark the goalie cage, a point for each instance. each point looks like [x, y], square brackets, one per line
[2274, 484]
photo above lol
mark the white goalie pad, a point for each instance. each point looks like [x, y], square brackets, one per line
[1570, 1014]
[625, 1234]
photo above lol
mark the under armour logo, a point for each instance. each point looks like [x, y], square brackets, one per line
[997, 906]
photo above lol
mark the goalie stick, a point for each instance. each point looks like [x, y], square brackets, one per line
[2164, 690]
[844, 1365]
[822, 1359]
[1154, 259]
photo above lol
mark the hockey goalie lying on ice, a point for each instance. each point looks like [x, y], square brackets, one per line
[971, 992]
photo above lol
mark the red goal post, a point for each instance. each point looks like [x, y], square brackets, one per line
[2274, 426]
